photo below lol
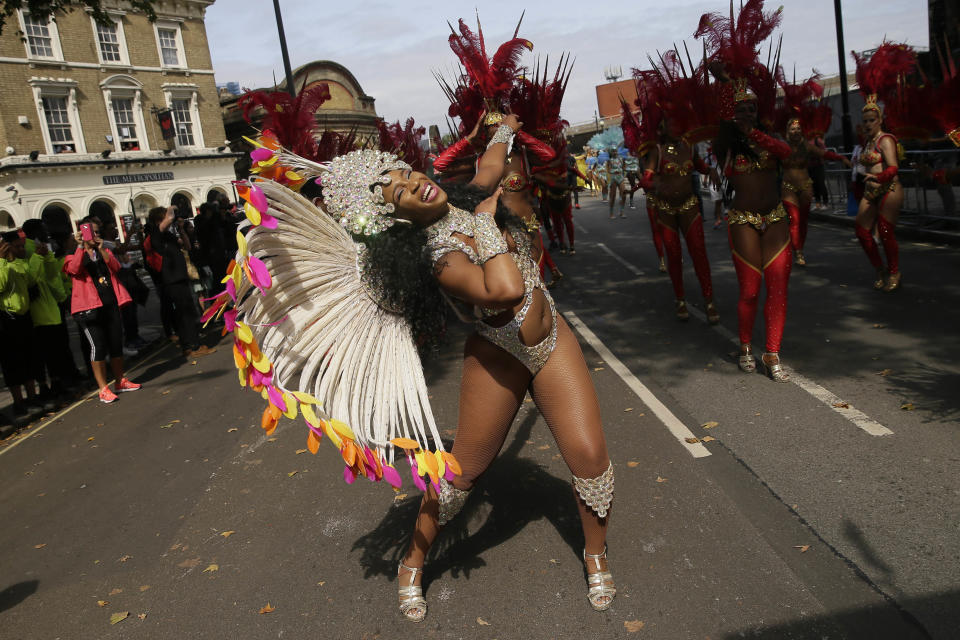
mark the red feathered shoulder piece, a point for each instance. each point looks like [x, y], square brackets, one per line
[291, 121]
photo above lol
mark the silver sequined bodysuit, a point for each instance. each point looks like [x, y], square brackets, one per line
[441, 242]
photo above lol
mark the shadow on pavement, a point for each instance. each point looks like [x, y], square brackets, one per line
[17, 593]
[513, 492]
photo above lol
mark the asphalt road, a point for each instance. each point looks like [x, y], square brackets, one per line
[794, 521]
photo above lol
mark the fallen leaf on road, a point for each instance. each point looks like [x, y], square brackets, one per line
[659, 479]
[483, 622]
[166, 426]
[142, 616]
[292, 473]
[299, 451]
[226, 534]
[40, 546]
[163, 393]
[123, 558]
[598, 368]
[553, 560]
[692, 440]
[211, 568]
[907, 406]
[271, 439]
[803, 547]
[232, 429]
[102, 603]
[144, 587]
[794, 506]
[885, 372]
[707, 439]
[628, 409]
[321, 583]
[399, 496]
[115, 591]
[878, 326]
[267, 609]
[90, 439]
[189, 564]
[194, 362]
[633, 626]
[710, 425]
[543, 447]
[632, 463]
[841, 405]
[119, 616]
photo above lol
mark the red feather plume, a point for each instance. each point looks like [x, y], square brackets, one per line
[292, 121]
[404, 141]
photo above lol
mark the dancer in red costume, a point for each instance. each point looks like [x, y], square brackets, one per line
[758, 226]
[883, 195]
[666, 178]
[801, 121]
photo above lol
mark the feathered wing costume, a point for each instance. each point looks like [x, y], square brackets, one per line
[311, 330]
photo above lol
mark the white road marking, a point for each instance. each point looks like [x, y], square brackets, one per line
[581, 228]
[76, 404]
[632, 269]
[670, 421]
[827, 397]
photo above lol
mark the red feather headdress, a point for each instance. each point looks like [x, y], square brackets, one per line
[537, 103]
[945, 105]
[291, 121]
[404, 141]
[798, 104]
[880, 74]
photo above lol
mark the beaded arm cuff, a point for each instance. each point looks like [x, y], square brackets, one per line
[490, 242]
[503, 134]
[596, 492]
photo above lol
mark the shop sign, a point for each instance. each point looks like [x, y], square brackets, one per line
[158, 176]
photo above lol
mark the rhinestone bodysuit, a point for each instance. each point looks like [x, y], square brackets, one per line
[440, 241]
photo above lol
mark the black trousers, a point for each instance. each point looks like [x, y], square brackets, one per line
[185, 313]
[131, 324]
[19, 358]
[54, 343]
[104, 333]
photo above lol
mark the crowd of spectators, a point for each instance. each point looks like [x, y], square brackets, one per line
[49, 278]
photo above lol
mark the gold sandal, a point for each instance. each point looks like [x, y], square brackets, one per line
[713, 316]
[747, 363]
[881, 280]
[775, 371]
[600, 591]
[682, 313]
[893, 282]
[413, 606]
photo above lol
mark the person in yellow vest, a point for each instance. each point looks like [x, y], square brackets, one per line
[17, 358]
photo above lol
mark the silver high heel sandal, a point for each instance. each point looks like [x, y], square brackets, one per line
[600, 591]
[775, 371]
[413, 606]
[746, 363]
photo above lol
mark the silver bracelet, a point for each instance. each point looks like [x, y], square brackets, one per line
[503, 134]
[490, 242]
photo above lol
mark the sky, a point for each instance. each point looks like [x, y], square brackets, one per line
[392, 47]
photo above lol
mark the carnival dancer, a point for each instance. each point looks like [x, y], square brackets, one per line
[883, 194]
[758, 227]
[667, 115]
[520, 343]
[801, 120]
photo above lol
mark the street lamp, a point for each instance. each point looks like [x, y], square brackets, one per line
[844, 99]
[283, 49]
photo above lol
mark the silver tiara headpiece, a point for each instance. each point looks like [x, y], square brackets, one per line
[353, 190]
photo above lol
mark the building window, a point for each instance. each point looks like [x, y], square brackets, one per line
[183, 121]
[168, 47]
[58, 124]
[126, 124]
[42, 37]
[109, 43]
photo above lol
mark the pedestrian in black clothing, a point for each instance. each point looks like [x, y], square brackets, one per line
[165, 233]
[213, 249]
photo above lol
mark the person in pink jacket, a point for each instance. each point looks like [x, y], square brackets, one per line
[95, 304]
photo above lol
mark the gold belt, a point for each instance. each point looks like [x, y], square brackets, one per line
[662, 207]
[806, 185]
[873, 191]
[757, 220]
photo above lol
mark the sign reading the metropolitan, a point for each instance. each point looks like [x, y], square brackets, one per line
[159, 176]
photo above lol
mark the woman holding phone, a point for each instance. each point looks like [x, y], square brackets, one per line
[95, 304]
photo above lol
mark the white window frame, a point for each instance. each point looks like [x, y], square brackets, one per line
[54, 38]
[125, 88]
[181, 52]
[191, 93]
[59, 88]
[117, 17]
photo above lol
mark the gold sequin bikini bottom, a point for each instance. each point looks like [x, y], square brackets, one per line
[507, 337]
[758, 221]
[664, 208]
[804, 187]
[873, 192]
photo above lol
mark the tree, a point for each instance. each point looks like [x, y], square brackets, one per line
[43, 9]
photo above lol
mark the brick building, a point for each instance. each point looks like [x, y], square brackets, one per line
[79, 127]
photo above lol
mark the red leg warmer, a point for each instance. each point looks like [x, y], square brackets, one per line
[869, 246]
[890, 247]
[749, 278]
[698, 252]
[655, 229]
[671, 243]
[557, 230]
[546, 262]
[796, 238]
[776, 275]
[804, 223]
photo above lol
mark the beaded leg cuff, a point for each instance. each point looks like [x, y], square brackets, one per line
[489, 239]
[451, 501]
[596, 492]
